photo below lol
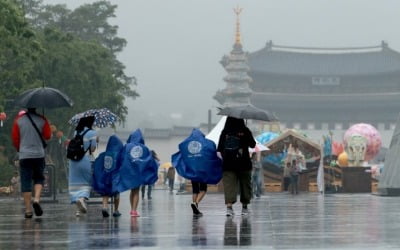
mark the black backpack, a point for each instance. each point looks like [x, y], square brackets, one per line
[75, 149]
[232, 147]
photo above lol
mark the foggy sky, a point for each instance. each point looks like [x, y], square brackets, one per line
[174, 46]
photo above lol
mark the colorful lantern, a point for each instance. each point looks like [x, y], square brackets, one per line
[3, 117]
[343, 159]
[374, 141]
[337, 148]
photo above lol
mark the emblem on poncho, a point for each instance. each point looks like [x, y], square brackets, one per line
[108, 162]
[136, 152]
[194, 147]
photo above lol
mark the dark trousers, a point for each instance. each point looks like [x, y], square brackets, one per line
[171, 184]
[286, 183]
[294, 184]
[149, 188]
[231, 179]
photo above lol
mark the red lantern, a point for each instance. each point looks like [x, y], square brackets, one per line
[3, 117]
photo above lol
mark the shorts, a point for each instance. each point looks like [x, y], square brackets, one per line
[31, 170]
[197, 187]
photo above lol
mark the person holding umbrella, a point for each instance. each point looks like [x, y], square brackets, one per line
[29, 132]
[234, 143]
[80, 170]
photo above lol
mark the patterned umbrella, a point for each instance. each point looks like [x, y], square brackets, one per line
[102, 117]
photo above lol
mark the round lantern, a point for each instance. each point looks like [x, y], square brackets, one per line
[53, 128]
[374, 141]
[3, 117]
[343, 159]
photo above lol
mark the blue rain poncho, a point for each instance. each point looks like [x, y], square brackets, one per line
[197, 159]
[138, 167]
[106, 167]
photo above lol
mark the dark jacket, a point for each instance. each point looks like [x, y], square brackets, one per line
[237, 128]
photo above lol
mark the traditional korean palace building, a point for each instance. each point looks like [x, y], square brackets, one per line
[327, 88]
[316, 90]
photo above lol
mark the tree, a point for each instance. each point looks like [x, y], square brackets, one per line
[84, 71]
[19, 50]
[90, 24]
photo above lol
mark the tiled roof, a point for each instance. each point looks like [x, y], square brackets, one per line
[328, 62]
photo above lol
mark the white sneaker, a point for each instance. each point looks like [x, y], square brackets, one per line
[229, 211]
[77, 213]
[245, 211]
[81, 204]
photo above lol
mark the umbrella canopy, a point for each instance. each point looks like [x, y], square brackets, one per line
[247, 112]
[102, 117]
[43, 98]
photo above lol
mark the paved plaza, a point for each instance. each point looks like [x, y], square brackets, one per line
[277, 221]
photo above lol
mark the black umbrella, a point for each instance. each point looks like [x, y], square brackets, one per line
[247, 112]
[43, 98]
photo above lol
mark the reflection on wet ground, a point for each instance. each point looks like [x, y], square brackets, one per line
[276, 221]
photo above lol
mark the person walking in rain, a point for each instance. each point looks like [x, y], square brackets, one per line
[80, 171]
[171, 178]
[286, 176]
[256, 174]
[233, 147]
[28, 134]
[149, 187]
[294, 178]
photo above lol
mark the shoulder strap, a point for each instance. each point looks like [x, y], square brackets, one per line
[90, 143]
[37, 130]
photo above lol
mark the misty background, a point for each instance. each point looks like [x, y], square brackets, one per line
[174, 47]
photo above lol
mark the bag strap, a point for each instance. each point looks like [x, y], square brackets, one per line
[90, 143]
[37, 130]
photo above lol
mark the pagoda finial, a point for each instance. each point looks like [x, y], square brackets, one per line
[237, 11]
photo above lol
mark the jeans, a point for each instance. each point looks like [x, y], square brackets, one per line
[256, 182]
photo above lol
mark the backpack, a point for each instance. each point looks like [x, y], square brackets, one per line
[75, 149]
[232, 147]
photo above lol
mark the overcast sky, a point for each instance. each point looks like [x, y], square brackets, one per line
[174, 46]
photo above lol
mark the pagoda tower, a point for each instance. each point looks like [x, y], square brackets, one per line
[237, 90]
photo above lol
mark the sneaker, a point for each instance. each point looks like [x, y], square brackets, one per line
[116, 214]
[245, 211]
[28, 215]
[149, 198]
[134, 213]
[229, 212]
[105, 213]
[77, 213]
[37, 208]
[81, 204]
[195, 208]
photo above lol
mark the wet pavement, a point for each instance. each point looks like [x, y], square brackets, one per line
[276, 221]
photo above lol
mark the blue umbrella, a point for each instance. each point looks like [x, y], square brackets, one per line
[102, 117]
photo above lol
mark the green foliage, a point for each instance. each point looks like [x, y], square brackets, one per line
[72, 50]
[6, 170]
[79, 58]
[19, 49]
[82, 70]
